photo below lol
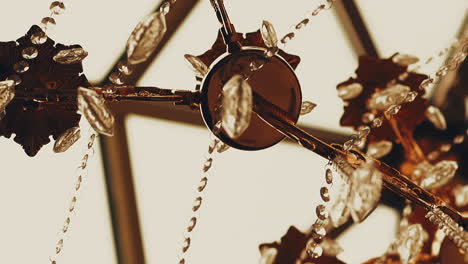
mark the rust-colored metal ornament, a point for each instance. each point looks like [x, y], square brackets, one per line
[45, 92]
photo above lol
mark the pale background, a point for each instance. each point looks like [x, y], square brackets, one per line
[252, 197]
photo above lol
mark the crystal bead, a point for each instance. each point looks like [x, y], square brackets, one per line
[146, 37]
[324, 193]
[315, 250]
[307, 107]
[436, 117]
[236, 106]
[268, 255]
[15, 78]
[367, 117]
[48, 22]
[439, 174]
[197, 204]
[445, 147]
[339, 197]
[59, 246]
[318, 232]
[202, 185]
[461, 195]
[411, 96]
[348, 145]
[302, 24]
[7, 93]
[321, 212]
[410, 243]
[442, 71]
[207, 165]
[404, 59]
[393, 110]
[349, 91]
[433, 155]
[269, 34]
[66, 225]
[287, 37]
[57, 7]
[377, 122]
[21, 67]
[39, 38]
[363, 131]
[393, 95]
[71, 208]
[329, 176]
[459, 139]
[79, 180]
[186, 244]
[366, 183]
[70, 56]
[426, 83]
[29, 53]
[67, 139]
[92, 106]
[116, 78]
[379, 149]
[198, 66]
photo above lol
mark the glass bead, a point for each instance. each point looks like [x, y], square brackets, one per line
[348, 145]
[329, 176]
[21, 67]
[192, 224]
[59, 246]
[207, 165]
[78, 183]
[433, 155]
[66, 225]
[315, 251]
[116, 78]
[321, 212]
[445, 147]
[202, 185]
[405, 59]
[307, 107]
[426, 83]
[459, 139]
[377, 122]
[436, 117]
[287, 37]
[325, 194]
[411, 96]
[124, 68]
[442, 71]
[92, 105]
[319, 231]
[71, 208]
[29, 53]
[368, 117]
[393, 110]
[379, 149]
[363, 131]
[392, 95]
[48, 22]
[109, 89]
[39, 38]
[197, 204]
[186, 244]
[57, 7]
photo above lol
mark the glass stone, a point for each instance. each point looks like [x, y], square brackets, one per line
[29, 53]
[39, 38]
[405, 59]
[269, 34]
[366, 186]
[21, 67]
[146, 37]
[92, 105]
[307, 107]
[379, 149]
[48, 22]
[393, 95]
[436, 117]
[67, 139]
[124, 68]
[349, 91]
[57, 7]
[236, 109]
[7, 93]
[198, 67]
[59, 246]
[70, 56]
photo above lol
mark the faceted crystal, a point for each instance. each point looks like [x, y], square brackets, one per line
[7, 93]
[236, 106]
[29, 53]
[363, 131]
[338, 209]
[349, 91]
[410, 243]
[39, 38]
[379, 149]
[48, 22]
[146, 37]
[70, 56]
[57, 7]
[366, 186]
[411, 96]
[67, 139]
[269, 34]
[461, 195]
[436, 117]
[307, 107]
[268, 255]
[393, 110]
[377, 122]
[459, 139]
[198, 66]
[92, 106]
[318, 231]
[124, 67]
[21, 67]
[405, 59]
[439, 174]
[393, 95]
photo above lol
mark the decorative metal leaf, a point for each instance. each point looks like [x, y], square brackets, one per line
[70, 56]
[7, 93]
[92, 106]
[146, 37]
[366, 186]
[269, 35]
[436, 117]
[236, 106]
[198, 66]
[67, 139]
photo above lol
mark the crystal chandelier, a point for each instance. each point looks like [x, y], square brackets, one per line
[250, 98]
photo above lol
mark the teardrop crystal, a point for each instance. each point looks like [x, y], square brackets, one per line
[349, 91]
[366, 186]
[146, 37]
[393, 95]
[198, 66]
[379, 149]
[70, 56]
[67, 139]
[436, 117]
[307, 107]
[338, 209]
[236, 106]
[92, 106]
[269, 34]
[410, 243]
[439, 174]
[7, 93]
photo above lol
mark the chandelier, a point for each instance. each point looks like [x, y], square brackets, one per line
[250, 98]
